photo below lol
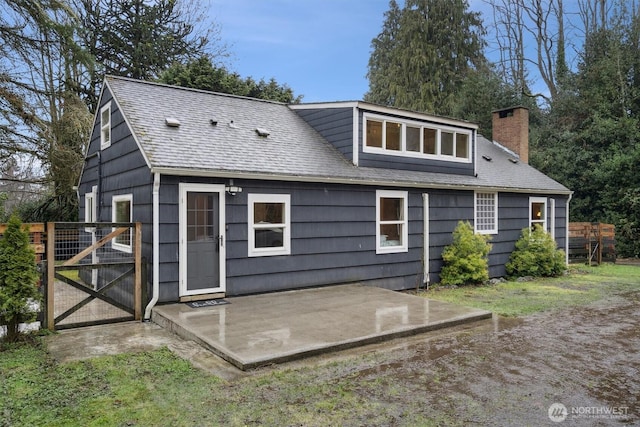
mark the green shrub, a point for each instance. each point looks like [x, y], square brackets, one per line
[536, 255]
[466, 259]
[18, 278]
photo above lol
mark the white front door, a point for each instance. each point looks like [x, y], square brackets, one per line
[202, 239]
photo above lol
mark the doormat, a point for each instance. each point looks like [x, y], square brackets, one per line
[207, 303]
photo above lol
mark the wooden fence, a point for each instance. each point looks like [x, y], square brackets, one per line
[84, 281]
[592, 242]
[37, 237]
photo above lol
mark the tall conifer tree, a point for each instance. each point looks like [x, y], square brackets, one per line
[424, 53]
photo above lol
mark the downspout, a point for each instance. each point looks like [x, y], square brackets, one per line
[156, 246]
[566, 231]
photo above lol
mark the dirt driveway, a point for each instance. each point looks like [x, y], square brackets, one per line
[510, 373]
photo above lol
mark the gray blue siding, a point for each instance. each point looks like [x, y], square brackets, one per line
[116, 170]
[334, 124]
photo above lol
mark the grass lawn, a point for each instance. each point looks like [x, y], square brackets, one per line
[582, 286]
[157, 388]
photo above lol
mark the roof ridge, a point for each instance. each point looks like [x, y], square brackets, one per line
[189, 89]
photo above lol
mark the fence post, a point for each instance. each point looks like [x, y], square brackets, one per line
[51, 274]
[600, 240]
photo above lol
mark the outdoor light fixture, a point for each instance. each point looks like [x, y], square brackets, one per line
[232, 189]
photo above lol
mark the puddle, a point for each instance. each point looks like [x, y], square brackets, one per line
[509, 371]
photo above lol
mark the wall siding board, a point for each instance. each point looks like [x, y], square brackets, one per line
[124, 171]
[334, 124]
[373, 160]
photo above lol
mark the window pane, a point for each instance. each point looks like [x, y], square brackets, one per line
[394, 132]
[462, 145]
[485, 212]
[446, 143]
[537, 211]
[268, 213]
[413, 139]
[391, 234]
[269, 238]
[123, 214]
[429, 141]
[123, 211]
[390, 209]
[374, 133]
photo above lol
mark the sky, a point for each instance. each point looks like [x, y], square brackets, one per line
[319, 48]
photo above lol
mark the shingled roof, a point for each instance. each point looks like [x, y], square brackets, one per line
[214, 134]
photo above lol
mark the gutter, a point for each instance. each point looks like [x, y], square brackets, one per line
[156, 247]
[350, 181]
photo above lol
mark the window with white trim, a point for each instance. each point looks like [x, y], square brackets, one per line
[486, 213]
[90, 209]
[538, 212]
[391, 221]
[105, 126]
[269, 224]
[122, 211]
[392, 136]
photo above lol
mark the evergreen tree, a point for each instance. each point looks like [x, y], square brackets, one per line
[423, 55]
[18, 279]
[141, 38]
[202, 74]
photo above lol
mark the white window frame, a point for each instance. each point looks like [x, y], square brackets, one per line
[533, 221]
[552, 218]
[477, 210]
[285, 249]
[90, 208]
[404, 221]
[121, 198]
[105, 126]
[403, 139]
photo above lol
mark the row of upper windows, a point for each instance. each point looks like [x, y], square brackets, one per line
[414, 139]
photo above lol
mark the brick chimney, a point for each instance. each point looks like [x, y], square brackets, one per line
[511, 129]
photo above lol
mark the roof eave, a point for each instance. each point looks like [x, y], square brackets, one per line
[224, 174]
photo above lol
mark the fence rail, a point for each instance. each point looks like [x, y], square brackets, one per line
[91, 273]
[592, 242]
[37, 237]
[94, 273]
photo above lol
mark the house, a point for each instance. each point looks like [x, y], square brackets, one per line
[240, 196]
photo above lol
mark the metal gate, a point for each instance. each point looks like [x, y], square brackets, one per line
[94, 274]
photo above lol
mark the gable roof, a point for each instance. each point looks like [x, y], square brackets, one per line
[293, 150]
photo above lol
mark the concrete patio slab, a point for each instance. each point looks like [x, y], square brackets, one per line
[259, 330]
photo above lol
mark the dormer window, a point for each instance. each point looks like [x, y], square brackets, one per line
[105, 126]
[386, 135]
